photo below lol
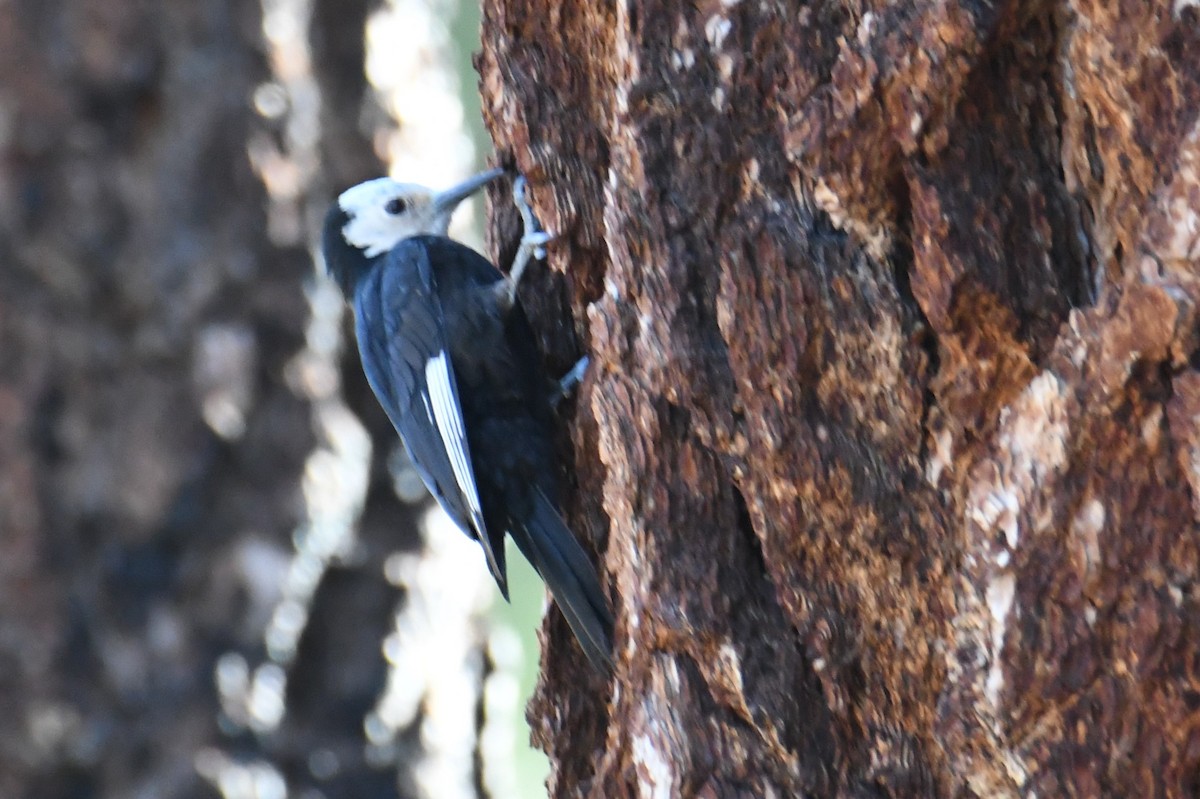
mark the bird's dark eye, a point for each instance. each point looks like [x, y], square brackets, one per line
[396, 206]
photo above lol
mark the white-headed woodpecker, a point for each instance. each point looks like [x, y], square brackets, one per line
[450, 356]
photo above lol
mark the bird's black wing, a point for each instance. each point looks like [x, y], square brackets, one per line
[401, 334]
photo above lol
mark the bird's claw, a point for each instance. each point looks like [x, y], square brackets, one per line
[536, 241]
[533, 239]
[570, 381]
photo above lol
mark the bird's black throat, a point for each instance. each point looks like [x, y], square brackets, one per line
[345, 263]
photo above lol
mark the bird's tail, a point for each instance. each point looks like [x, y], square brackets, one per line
[549, 545]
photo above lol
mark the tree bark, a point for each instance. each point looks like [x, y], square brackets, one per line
[890, 445]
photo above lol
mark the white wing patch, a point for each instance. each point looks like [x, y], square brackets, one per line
[448, 417]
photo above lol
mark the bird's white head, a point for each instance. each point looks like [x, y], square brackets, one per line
[381, 213]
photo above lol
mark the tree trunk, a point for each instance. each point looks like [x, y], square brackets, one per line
[891, 440]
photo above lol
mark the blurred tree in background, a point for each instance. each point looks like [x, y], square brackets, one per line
[201, 554]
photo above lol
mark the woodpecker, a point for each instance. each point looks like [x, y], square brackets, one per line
[449, 353]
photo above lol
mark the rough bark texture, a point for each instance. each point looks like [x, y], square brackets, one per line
[891, 442]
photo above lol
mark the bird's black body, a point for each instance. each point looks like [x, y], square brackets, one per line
[460, 379]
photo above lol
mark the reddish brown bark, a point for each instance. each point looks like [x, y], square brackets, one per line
[889, 445]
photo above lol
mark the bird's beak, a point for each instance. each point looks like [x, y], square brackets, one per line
[446, 201]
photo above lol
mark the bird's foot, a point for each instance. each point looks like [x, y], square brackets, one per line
[533, 239]
[570, 381]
